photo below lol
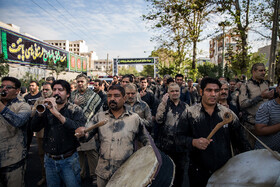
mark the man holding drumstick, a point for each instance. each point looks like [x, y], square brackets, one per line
[208, 155]
[117, 136]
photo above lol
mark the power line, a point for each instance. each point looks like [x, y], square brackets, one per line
[56, 19]
[78, 22]
[65, 17]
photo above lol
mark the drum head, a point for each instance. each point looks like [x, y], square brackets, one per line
[252, 168]
[138, 170]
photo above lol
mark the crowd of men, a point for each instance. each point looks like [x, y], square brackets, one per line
[175, 113]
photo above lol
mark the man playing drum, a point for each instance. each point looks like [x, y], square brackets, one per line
[117, 136]
[196, 123]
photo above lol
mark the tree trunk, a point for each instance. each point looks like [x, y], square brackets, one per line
[194, 55]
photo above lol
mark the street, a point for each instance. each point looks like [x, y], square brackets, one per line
[33, 168]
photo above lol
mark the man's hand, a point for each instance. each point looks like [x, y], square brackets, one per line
[201, 143]
[165, 98]
[79, 100]
[80, 132]
[266, 94]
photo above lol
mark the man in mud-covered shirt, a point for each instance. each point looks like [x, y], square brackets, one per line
[167, 117]
[135, 104]
[117, 136]
[14, 115]
[59, 120]
[196, 123]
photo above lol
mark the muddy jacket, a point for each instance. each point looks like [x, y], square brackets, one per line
[59, 138]
[117, 140]
[195, 123]
[250, 98]
[143, 110]
[13, 121]
[90, 106]
[168, 115]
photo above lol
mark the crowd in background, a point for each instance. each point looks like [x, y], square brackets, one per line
[178, 114]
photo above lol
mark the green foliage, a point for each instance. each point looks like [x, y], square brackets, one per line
[148, 70]
[57, 68]
[130, 70]
[4, 66]
[208, 69]
[179, 24]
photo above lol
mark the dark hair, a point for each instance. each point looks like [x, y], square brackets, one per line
[129, 77]
[37, 83]
[46, 83]
[169, 80]
[142, 78]
[14, 80]
[115, 76]
[99, 81]
[50, 79]
[179, 75]
[64, 84]
[117, 87]
[82, 75]
[278, 82]
[255, 66]
[209, 80]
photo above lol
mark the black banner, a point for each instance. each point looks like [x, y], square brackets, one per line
[127, 61]
[23, 50]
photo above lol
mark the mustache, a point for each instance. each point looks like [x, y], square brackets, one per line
[114, 102]
[223, 94]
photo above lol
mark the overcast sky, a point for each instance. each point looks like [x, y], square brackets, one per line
[108, 26]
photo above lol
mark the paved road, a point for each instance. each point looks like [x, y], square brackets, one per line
[33, 168]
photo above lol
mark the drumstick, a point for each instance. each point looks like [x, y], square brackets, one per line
[227, 118]
[99, 124]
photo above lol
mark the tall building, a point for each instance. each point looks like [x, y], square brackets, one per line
[63, 44]
[216, 46]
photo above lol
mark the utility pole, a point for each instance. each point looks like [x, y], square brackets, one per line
[107, 65]
[273, 47]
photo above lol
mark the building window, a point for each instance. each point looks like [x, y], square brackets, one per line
[70, 45]
[74, 49]
[63, 44]
[77, 49]
[74, 45]
[77, 45]
[56, 44]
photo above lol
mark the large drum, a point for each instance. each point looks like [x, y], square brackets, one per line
[249, 169]
[146, 167]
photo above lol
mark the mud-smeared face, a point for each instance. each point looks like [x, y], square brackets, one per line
[130, 95]
[174, 92]
[224, 92]
[210, 94]
[82, 84]
[47, 91]
[115, 100]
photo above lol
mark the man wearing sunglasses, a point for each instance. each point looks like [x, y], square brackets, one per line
[14, 115]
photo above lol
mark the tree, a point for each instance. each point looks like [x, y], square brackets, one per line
[180, 23]
[208, 69]
[57, 67]
[148, 70]
[4, 66]
[130, 70]
[240, 18]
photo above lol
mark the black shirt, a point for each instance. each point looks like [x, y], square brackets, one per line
[59, 138]
[32, 99]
